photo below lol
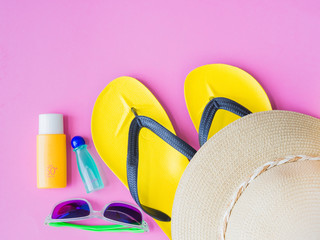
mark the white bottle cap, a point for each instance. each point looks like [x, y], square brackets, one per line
[51, 123]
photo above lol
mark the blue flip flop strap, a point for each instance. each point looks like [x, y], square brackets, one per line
[133, 157]
[210, 110]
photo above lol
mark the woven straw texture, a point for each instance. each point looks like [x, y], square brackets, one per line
[280, 203]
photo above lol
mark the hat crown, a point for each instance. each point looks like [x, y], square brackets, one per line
[281, 203]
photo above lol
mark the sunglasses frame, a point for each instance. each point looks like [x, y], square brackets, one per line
[97, 214]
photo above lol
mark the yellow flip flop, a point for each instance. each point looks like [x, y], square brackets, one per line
[222, 92]
[132, 133]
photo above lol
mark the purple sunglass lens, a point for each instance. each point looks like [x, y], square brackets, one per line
[71, 209]
[123, 213]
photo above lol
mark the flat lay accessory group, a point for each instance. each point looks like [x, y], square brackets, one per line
[255, 176]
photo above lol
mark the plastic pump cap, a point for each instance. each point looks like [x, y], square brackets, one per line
[51, 123]
[77, 141]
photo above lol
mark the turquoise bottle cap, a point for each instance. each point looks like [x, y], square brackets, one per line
[77, 141]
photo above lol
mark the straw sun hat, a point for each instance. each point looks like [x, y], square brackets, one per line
[258, 178]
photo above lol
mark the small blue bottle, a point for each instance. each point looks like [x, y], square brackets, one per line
[86, 165]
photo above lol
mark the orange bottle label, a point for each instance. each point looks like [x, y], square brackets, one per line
[51, 161]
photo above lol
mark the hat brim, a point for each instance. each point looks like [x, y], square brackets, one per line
[228, 158]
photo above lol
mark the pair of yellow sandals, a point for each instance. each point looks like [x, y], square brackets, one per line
[126, 105]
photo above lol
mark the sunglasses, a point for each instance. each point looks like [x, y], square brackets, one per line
[127, 217]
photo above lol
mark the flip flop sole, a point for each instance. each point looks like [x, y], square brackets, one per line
[221, 80]
[160, 166]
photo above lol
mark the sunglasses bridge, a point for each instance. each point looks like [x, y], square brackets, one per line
[96, 213]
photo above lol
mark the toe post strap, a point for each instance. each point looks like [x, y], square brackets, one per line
[211, 109]
[137, 124]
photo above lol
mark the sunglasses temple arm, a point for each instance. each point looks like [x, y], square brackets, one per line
[98, 228]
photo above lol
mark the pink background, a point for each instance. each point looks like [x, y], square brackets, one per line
[56, 56]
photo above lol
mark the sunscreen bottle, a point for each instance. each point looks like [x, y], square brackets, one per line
[51, 152]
